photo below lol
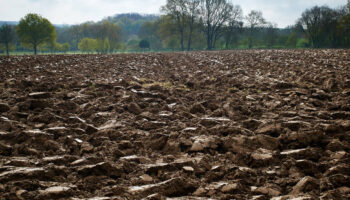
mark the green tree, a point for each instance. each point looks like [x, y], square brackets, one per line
[302, 43]
[271, 35]
[255, 20]
[88, 45]
[7, 36]
[108, 34]
[150, 32]
[34, 30]
[51, 45]
[292, 40]
[171, 43]
[282, 40]
[65, 47]
[106, 45]
[57, 47]
[103, 46]
[144, 44]
[168, 30]
[132, 44]
[344, 27]
[131, 23]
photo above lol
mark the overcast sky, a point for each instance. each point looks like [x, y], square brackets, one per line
[282, 12]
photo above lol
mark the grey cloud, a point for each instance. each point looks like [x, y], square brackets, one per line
[282, 12]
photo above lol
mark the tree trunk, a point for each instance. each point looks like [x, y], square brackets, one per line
[7, 49]
[227, 43]
[189, 42]
[208, 43]
[250, 45]
[35, 47]
[208, 35]
[229, 37]
[182, 41]
[190, 38]
[208, 39]
[215, 38]
[181, 30]
[212, 40]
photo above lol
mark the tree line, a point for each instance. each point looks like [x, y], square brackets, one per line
[183, 25]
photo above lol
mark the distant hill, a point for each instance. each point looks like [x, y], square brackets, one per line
[133, 17]
[15, 23]
[8, 22]
[131, 22]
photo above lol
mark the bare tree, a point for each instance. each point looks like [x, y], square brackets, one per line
[271, 34]
[254, 19]
[317, 23]
[214, 15]
[176, 9]
[7, 35]
[184, 13]
[192, 9]
[234, 26]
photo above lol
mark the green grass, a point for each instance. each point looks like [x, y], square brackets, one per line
[21, 53]
[240, 47]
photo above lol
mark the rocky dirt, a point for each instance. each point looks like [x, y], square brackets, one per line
[202, 125]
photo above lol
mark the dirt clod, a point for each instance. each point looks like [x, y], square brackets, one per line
[257, 124]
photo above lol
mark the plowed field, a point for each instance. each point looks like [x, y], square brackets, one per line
[259, 124]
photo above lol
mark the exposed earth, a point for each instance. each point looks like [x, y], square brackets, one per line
[259, 124]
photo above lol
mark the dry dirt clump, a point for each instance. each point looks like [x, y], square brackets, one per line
[259, 124]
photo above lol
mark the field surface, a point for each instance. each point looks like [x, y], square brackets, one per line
[257, 124]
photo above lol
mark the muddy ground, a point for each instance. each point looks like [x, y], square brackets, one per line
[257, 125]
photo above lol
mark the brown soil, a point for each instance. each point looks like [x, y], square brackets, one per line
[202, 125]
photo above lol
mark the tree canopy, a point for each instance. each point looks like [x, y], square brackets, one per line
[214, 15]
[34, 30]
[6, 36]
[88, 45]
[144, 44]
[254, 19]
[183, 25]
